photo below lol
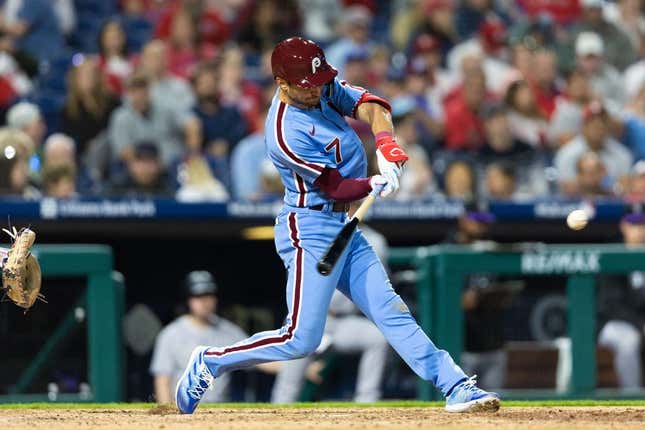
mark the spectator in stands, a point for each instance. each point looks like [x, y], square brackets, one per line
[319, 18]
[355, 29]
[113, 55]
[544, 81]
[619, 51]
[182, 47]
[197, 183]
[470, 14]
[238, 92]
[438, 20]
[464, 128]
[89, 104]
[59, 181]
[270, 22]
[165, 90]
[525, 119]
[591, 177]
[137, 18]
[490, 46]
[138, 119]
[566, 121]
[417, 178]
[500, 143]
[627, 16]
[501, 181]
[633, 135]
[604, 79]
[621, 311]
[15, 149]
[634, 76]
[145, 175]
[636, 191]
[26, 117]
[502, 146]
[223, 126]
[594, 137]
[199, 327]
[59, 149]
[246, 165]
[213, 28]
[35, 27]
[459, 181]
[66, 15]
[271, 187]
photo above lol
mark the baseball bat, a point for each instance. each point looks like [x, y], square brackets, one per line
[330, 257]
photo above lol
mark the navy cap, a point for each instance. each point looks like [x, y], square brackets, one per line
[480, 216]
[634, 218]
[200, 283]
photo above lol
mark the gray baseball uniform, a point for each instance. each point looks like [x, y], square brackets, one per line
[347, 332]
[176, 342]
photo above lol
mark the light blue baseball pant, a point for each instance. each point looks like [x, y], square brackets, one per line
[301, 236]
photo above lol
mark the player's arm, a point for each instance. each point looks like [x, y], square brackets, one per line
[346, 190]
[162, 389]
[390, 156]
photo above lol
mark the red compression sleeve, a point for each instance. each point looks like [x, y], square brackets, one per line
[342, 189]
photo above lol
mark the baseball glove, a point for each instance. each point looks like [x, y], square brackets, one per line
[21, 277]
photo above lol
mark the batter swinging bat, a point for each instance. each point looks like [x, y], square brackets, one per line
[330, 257]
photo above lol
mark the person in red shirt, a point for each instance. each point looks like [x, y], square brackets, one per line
[211, 26]
[464, 129]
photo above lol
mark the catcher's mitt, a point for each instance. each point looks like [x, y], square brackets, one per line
[21, 277]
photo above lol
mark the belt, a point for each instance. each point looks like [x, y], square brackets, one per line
[338, 207]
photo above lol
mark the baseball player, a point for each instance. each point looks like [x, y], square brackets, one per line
[323, 168]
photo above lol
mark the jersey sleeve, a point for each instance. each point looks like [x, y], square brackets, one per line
[347, 98]
[303, 155]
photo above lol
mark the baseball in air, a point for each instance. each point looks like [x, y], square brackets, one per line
[577, 219]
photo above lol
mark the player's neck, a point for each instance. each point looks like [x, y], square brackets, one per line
[288, 100]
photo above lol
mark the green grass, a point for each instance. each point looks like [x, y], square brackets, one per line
[389, 404]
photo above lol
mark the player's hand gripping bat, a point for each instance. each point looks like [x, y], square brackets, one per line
[330, 257]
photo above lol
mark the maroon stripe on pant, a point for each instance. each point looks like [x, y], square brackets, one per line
[295, 241]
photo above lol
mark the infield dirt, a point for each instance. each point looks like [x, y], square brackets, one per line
[523, 418]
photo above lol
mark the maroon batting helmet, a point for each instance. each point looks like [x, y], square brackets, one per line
[301, 62]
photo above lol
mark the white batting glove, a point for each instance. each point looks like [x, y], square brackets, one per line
[379, 180]
[391, 171]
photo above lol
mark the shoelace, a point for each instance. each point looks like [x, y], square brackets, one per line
[204, 381]
[470, 385]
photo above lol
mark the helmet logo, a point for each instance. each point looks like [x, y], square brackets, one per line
[315, 63]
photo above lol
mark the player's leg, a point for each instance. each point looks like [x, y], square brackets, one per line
[352, 334]
[299, 242]
[625, 342]
[289, 380]
[365, 282]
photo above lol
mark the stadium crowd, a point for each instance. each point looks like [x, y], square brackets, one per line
[494, 99]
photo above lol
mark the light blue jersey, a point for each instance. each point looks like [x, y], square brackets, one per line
[302, 142]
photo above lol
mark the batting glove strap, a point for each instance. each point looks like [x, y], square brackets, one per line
[391, 150]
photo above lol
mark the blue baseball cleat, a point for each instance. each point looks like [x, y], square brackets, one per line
[193, 383]
[467, 397]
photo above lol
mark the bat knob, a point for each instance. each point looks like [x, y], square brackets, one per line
[324, 268]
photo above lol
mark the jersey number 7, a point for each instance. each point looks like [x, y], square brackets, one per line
[335, 145]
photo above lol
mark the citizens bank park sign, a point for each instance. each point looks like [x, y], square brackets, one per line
[561, 262]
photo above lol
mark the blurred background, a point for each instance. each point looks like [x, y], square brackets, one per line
[138, 124]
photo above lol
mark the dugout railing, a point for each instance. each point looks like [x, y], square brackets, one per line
[100, 307]
[441, 275]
